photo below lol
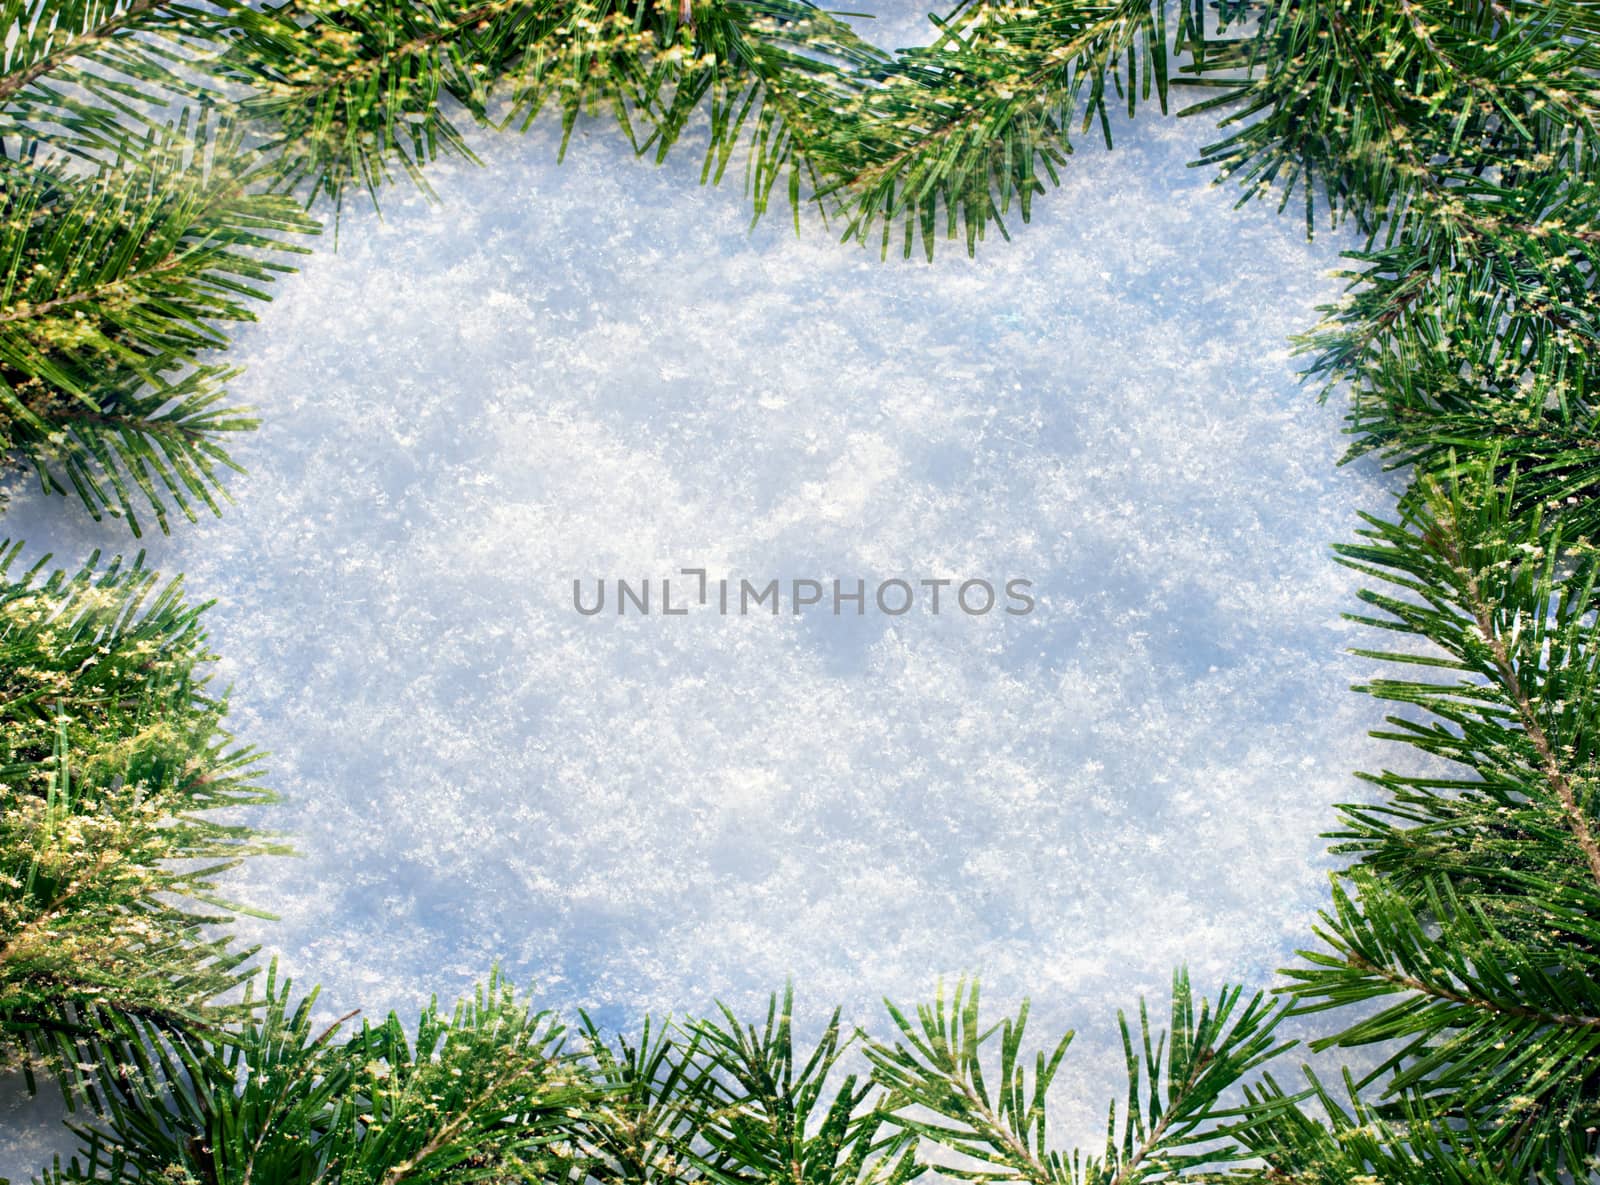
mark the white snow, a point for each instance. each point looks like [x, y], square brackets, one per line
[593, 370]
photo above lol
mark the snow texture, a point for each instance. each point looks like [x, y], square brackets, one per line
[594, 370]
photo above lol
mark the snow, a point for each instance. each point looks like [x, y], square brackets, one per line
[593, 370]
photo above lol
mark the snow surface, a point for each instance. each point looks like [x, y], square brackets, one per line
[594, 370]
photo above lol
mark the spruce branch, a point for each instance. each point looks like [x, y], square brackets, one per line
[53, 41]
[111, 755]
[1474, 907]
[484, 1093]
[1459, 136]
[113, 287]
[774, 1116]
[652, 1094]
[960, 131]
[1511, 634]
[1374, 104]
[90, 76]
[1176, 1120]
[1315, 1137]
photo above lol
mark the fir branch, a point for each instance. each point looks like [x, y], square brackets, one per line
[653, 1092]
[110, 752]
[1476, 900]
[483, 1094]
[966, 127]
[1483, 616]
[1437, 991]
[774, 1116]
[1382, 102]
[109, 296]
[1482, 589]
[1175, 1121]
[104, 21]
[1317, 1138]
[1461, 133]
